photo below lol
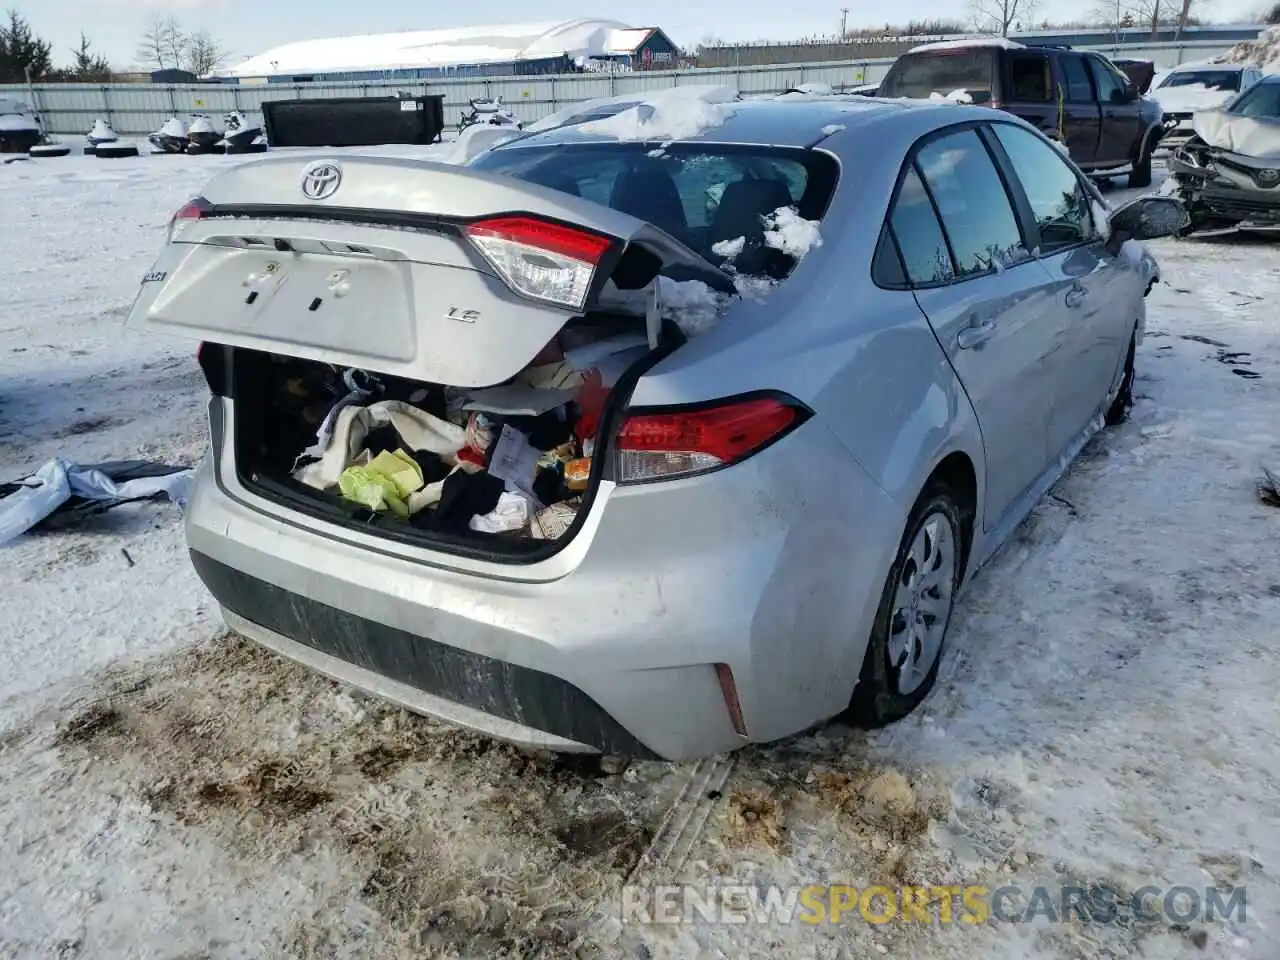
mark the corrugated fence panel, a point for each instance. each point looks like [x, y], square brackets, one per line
[588, 87]
[139, 108]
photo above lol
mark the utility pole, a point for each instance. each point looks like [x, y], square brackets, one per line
[844, 22]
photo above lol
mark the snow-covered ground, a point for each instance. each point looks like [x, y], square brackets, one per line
[1106, 712]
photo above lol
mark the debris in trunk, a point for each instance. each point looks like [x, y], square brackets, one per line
[551, 522]
[507, 460]
[510, 515]
[577, 473]
[387, 482]
[71, 491]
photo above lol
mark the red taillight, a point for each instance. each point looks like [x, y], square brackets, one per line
[655, 446]
[551, 237]
[539, 259]
[193, 209]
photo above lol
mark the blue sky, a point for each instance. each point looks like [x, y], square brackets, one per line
[247, 27]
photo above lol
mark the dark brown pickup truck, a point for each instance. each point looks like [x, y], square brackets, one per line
[1079, 98]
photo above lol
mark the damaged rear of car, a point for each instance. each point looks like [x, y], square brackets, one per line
[429, 476]
[1228, 172]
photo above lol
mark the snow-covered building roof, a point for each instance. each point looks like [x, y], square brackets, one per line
[452, 47]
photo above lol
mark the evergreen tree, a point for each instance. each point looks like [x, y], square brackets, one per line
[21, 49]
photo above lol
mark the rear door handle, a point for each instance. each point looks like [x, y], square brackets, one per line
[1076, 295]
[975, 334]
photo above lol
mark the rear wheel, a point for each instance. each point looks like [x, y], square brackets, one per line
[905, 649]
[1118, 412]
[1140, 176]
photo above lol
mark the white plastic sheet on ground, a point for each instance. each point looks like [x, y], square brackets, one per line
[58, 481]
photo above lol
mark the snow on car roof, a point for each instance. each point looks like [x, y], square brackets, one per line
[703, 112]
[1002, 43]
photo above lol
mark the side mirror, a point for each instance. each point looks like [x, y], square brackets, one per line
[1148, 218]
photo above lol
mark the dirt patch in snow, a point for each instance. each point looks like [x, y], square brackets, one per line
[755, 818]
[87, 425]
[456, 842]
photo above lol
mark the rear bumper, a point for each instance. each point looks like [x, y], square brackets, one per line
[772, 567]
[519, 705]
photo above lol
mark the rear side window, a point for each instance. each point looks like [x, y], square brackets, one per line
[717, 200]
[1076, 76]
[1111, 88]
[1057, 197]
[915, 226]
[976, 212]
[1029, 79]
[921, 76]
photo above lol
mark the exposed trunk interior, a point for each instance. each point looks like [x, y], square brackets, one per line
[447, 498]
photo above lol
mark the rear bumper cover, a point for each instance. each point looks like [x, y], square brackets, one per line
[429, 677]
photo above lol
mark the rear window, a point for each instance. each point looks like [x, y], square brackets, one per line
[1226, 80]
[920, 76]
[717, 200]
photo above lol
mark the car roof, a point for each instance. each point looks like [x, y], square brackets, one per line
[1202, 67]
[789, 120]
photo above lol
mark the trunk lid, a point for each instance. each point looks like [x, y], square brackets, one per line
[386, 264]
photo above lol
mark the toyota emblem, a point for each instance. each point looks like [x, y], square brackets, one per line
[321, 180]
[1269, 177]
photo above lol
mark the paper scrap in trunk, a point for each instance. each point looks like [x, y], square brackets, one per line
[514, 460]
[551, 522]
[517, 400]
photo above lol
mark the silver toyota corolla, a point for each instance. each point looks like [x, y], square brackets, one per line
[424, 481]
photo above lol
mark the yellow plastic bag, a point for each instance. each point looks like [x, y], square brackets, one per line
[400, 468]
[372, 489]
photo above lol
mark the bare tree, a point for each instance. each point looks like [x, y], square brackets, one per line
[203, 53]
[163, 44]
[1150, 15]
[998, 16]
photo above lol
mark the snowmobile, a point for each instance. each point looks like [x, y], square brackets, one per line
[100, 134]
[240, 136]
[171, 138]
[19, 127]
[202, 135]
[491, 112]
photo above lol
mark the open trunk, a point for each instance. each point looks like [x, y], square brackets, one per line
[502, 473]
[420, 350]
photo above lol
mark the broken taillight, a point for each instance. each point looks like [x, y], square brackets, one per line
[682, 442]
[540, 259]
[193, 209]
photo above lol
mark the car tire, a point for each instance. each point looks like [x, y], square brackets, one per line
[1118, 412]
[1140, 176]
[884, 692]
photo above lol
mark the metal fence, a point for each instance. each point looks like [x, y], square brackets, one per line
[135, 109]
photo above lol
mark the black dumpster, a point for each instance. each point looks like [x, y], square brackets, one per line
[353, 121]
